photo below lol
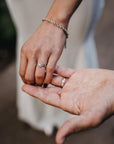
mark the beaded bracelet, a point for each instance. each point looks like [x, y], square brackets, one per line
[58, 25]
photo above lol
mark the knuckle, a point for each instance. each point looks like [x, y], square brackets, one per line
[29, 80]
[34, 50]
[39, 76]
[24, 48]
[29, 50]
[46, 51]
[50, 68]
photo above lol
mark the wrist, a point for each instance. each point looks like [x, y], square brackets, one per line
[59, 18]
[57, 25]
[112, 85]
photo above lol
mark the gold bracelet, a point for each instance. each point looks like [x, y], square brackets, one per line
[58, 25]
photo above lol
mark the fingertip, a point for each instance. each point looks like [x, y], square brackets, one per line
[47, 81]
[59, 139]
[27, 87]
[62, 140]
[23, 88]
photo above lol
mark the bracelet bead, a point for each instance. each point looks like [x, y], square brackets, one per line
[58, 25]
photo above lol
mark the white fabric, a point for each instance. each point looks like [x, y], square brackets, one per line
[27, 16]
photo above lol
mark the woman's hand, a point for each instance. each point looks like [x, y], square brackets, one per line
[88, 94]
[44, 46]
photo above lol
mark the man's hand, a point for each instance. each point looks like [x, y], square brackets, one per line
[88, 94]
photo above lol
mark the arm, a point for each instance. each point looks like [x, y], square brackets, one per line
[62, 10]
[46, 44]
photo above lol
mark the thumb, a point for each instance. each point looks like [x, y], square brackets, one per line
[74, 124]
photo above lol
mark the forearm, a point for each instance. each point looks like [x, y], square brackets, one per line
[62, 10]
[113, 95]
[111, 88]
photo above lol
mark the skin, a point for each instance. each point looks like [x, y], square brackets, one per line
[46, 44]
[87, 94]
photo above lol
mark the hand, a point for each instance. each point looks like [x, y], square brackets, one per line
[44, 46]
[87, 93]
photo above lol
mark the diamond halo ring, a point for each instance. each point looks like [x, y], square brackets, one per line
[41, 65]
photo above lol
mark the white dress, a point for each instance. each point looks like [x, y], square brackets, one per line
[80, 53]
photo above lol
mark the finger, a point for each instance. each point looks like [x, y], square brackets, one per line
[23, 66]
[74, 124]
[64, 72]
[50, 69]
[57, 81]
[30, 71]
[40, 71]
[49, 95]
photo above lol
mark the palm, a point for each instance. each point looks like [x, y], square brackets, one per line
[79, 95]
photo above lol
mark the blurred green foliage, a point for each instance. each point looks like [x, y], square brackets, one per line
[7, 36]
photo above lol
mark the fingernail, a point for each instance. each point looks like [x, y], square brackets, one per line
[45, 85]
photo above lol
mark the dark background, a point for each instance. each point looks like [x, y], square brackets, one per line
[13, 131]
[7, 36]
